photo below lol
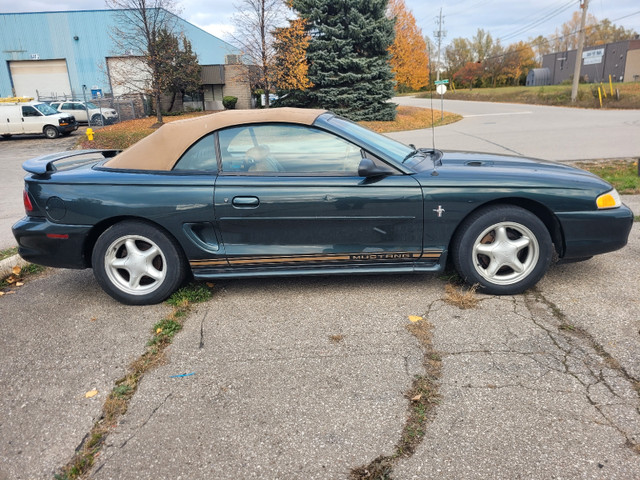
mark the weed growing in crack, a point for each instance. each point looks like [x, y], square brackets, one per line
[423, 397]
[567, 327]
[118, 399]
[460, 298]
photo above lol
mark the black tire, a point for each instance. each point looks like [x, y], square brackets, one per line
[6, 135]
[504, 249]
[50, 132]
[155, 265]
[97, 120]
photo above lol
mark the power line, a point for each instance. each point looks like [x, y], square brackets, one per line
[540, 21]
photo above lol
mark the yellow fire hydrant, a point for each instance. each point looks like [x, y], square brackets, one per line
[89, 133]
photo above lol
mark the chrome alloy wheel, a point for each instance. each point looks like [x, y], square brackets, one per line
[135, 265]
[505, 253]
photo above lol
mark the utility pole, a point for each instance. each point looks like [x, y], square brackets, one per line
[584, 4]
[439, 34]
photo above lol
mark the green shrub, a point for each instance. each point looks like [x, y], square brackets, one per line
[229, 102]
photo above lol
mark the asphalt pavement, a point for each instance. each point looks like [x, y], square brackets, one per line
[307, 378]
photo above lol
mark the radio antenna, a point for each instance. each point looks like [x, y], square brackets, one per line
[433, 127]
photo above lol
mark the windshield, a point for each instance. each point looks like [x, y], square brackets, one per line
[91, 105]
[390, 147]
[45, 109]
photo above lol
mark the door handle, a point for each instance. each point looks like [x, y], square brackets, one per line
[245, 202]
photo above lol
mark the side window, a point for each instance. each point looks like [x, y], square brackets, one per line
[67, 106]
[287, 149]
[29, 111]
[201, 156]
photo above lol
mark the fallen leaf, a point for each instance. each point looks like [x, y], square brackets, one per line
[16, 270]
[159, 330]
[93, 319]
[414, 318]
[210, 285]
[1, 293]
[11, 280]
[91, 393]
[417, 398]
[19, 284]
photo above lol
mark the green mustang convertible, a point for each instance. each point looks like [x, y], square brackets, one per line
[305, 192]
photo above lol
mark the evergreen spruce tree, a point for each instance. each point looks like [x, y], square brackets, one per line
[348, 57]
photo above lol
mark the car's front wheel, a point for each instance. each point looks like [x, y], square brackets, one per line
[51, 132]
[137, 264]
[504, 249]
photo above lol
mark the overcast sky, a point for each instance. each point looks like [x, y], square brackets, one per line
[508, 20]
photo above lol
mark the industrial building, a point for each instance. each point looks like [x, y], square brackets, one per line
[71, 54]
[621, 60]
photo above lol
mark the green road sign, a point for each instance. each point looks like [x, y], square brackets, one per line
[442, 82]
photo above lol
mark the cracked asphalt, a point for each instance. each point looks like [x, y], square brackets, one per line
[306, 378]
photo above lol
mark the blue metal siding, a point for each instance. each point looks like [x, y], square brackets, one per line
[51, 36]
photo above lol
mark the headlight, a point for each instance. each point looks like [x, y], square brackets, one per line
[611, 199]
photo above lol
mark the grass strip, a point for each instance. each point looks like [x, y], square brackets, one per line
[117, 402]
[8, 252]
[423, 397]
[623, 174]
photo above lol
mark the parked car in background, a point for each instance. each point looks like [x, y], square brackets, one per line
[87, 112]
[32, 117]
[285, 191]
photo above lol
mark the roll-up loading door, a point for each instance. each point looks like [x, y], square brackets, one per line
[50, 78]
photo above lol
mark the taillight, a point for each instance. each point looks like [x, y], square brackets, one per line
[27, 201]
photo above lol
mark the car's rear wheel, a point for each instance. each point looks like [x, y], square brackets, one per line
[504, 249]
[137, 264]
[51, 132]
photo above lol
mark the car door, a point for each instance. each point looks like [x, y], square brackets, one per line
[76, 109]
[290, 195]
[32, 120]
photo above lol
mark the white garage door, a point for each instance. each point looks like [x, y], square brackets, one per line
[49, 77]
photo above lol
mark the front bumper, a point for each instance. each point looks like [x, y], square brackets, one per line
[52, 244]
[591, 233]
[70, 127]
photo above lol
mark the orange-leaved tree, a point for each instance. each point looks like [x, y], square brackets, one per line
[469, 74]
[409, 57]
[519, 59]
[291, 68]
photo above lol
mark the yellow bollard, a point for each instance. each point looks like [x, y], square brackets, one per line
[604, 92]
[610, 86]
[600, 96]
[90, 134]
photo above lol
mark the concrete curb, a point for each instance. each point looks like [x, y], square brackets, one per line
[8, 263]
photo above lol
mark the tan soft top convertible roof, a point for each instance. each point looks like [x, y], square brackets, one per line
[162, 149]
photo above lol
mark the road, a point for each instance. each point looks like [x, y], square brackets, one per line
[551, 133]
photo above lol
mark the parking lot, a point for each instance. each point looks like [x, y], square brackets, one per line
[308, 378]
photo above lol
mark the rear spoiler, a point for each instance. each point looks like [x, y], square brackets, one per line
[45, 164]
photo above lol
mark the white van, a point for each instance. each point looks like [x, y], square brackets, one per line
[34, 117]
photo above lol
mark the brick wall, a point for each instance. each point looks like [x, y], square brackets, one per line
[237, 84]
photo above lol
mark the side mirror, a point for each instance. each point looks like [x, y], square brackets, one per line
[368, 168]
